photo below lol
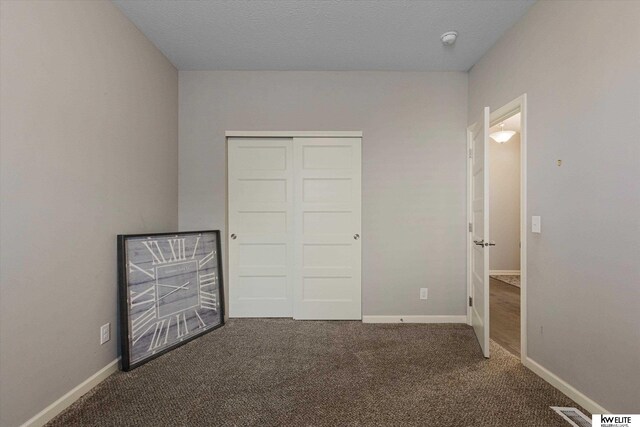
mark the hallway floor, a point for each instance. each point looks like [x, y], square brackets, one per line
[504, 303]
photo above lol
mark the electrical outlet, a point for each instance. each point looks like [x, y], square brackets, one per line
[105, 333]
[424, 293]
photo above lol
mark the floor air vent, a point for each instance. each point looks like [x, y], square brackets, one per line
[573, 416]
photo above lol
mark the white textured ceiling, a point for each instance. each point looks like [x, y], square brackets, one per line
[323, 35]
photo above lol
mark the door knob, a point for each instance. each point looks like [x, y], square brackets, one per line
[479, 242]
[233, 236]
[491, 243]
[356, 236]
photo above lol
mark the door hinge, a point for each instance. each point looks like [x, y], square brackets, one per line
[470, 227]
[470, 153]
[470, 302]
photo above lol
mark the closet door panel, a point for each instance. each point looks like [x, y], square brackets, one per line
[260, 227]
[327, 245]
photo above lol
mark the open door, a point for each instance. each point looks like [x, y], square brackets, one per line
[480, 232]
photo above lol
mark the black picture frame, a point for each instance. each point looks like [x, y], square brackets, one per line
[123, 288]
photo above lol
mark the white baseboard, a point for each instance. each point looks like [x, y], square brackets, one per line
[414, 319]
[566, 388]
[504, 272]
[48, 413]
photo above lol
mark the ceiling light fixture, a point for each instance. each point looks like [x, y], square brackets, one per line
[503, 135]
[449, 38]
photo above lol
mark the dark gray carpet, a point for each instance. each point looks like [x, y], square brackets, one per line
[273, 372]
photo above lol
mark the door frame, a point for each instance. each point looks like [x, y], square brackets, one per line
[517, 105]
[230, 134]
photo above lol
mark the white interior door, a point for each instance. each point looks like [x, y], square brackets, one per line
[260, 227]
[327, 237]
[480, 233]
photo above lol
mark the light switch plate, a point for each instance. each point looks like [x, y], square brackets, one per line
[536, 226]
[424, 293]
[105, 333]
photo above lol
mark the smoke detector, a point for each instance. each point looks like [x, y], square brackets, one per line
[449, 38]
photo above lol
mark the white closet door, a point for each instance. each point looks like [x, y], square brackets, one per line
[260, 227]
[327, 236]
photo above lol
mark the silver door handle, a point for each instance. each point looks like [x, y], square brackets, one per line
[479, 242]
[491, 243]
[233, 236]
[356, 236]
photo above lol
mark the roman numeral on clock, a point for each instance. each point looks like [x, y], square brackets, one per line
[181, 325]
[150, 273]
[157, 339]
[153, 247]
[177, 249]
[207, 258]
[200, 321]
[144, 297]
[208, 300]
[195, 248]
[140, 325]
[207, 279]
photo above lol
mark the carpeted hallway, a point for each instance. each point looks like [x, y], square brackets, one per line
[276, 372]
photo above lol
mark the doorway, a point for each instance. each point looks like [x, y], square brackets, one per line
[496, 243]
[504, 219]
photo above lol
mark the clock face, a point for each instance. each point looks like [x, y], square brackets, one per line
[172, 290]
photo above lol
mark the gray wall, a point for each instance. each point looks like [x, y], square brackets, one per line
[579, 63]
[504, 200]
[89, 129]
[413, 187]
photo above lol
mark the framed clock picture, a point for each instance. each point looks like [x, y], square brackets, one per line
[170, 291]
